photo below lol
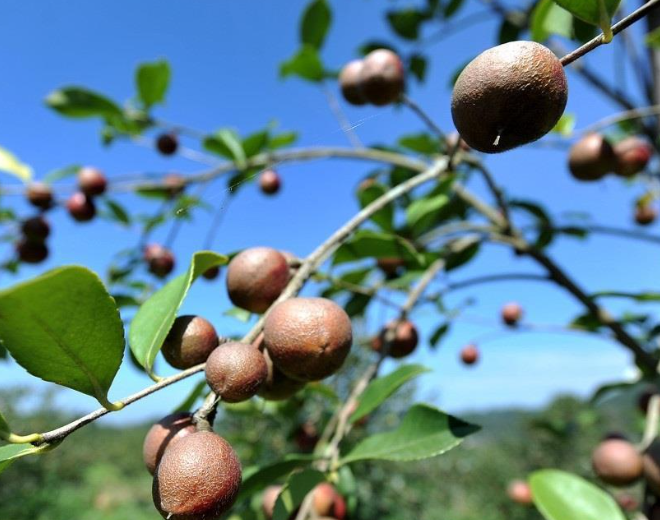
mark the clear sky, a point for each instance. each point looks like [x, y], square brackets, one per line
[225, 58]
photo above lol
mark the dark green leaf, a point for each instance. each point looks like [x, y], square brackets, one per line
[282, 140]
[424, 432]
[653, 38]
[117, 212]
[418, 65]
[421, 143]
[423, 212]
[646, 296]
[315, 23]
[156, 316]
[587, 322]
[357, 304]
[79, 102]
[406, 23]
[383, 218]
[294, 492]
[458, 259]
[371, 244]
[152, 81]
[306, 64]
[125, 300]
[452, 8]
[379, 390]
[225, 142]
[509, 32]
[64, 327]
[256, 478]
[373, 45]
[439, 334]
[588, 10]
[606, 390]
[255, 143]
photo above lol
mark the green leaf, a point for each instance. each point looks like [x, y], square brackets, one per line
[548, 18]
[421, 143]
[152, 81]
[588, 10]
[117, 212]
[294, 492]
[439, 334]
[559, 495]
[315, 23]
[587, 322]
[384, 218]
[423, 210]
[653, 38]
[452, 8]
[306, 64]
[380, 389]
[197, 392]
[256, 478]
[282, 140]
[4, 425]
[646, 296]
[239, 314]
[153, 321]
[407, 22]
[508, 32]
[357, 304]
[78, 102]
[225, 142]
[11, 452]
[64, 327]
[255, 143]
[566, 123]
[366, 243]
[424, 432]
[10, 164]
[62, 173]
[418, 65]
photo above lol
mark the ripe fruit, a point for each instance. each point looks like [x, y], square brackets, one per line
[165, 433]
[512, 313]
[350, 82]
[211, 273]
[327, 502]
[404, 342]
[277, 386]
[617, 462]
[470, 355]
[632, 156]
[31, 252]
[390, 266]
[308, 338]
[269, 182]
[306, 436]
[189, 342]
[591, 158]
[40, 195]
[174, 184]
[167, 144]
[235, 371]
[645, 214]
[520, 492]
[35, 229]
[382, 78]
[256, 277]
[92, 181]
[508, 96]
[268, 500]
[197, 479]
[159, 259]
[81, 207]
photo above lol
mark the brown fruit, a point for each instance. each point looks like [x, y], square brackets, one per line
[174, 184]
[327, 502]
[211, 273]
[31, 252]
[92, 181]
[508, 96]
[256, 277]
[308, 338]
[190, 341]
[35, 229]
[520, 492]
[165, 433]
[277, 386]
[645, 214]
[591, 158]
[382, 78]
[390, 266]
[470, 355]
[167, 144]
[81, 207]
[268, 500]
[40, 195]
[197, 479]
[617, 462]
[512, 313]
[306, 436]
[632, 156]
[269, 182]
[404, 342]
[236, 371]
[351, 84]
[159, 259]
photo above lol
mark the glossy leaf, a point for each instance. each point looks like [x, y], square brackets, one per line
[256, 478]
[77, 102]
[152, 81]
[282, 140]
[372, 244]
[11, 452]
[225, 142]
[379, 390]
[11, 164]
[315, 23]
[588, 10]
[153, 321]
[294, 492]
[305, 64]
[384, 218]
[424, 432]
[421, 143]
[422, 211]
[255, 143]
[559, 495]
[64, 327]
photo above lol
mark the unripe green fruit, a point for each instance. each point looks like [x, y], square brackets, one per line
[40, 195]
[164, 434]
[591, 158]
[256, 277]
[189, 342]
[404, 342]
[632, 156]
[308, 338]
[508, 96]
[512, 313]
[277, 386]
[382, 79]
[81, 207]
[197, 479]
[350, 81]
[236, 371]
[617, 462]
[92, 181]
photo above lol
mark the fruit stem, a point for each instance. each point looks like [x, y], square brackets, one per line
[605, 22]
[21, 439]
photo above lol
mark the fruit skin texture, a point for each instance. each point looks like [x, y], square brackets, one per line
[92, 181]
[308, 338]
[256, 277]
[35, 229]
[235, 371]
[40, 195]
[632, 156]
[277, 386]
[512, 313]
[31, 252]
[327, 502]
[405, 339]
[159, 259]
[81, 207]
[470, 354]
[197, 479]
[351, 84]
[269, 182]
[517, 91]
[164, 434]
[617, 462]
[645, 215]
[383, 77]
[167, 144]
[190, 341]
[520, 492]
[591, 158]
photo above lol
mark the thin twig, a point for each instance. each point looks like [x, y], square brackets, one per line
[341, 118]
[406, 100]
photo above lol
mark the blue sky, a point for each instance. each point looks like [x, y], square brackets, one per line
[225, 58]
